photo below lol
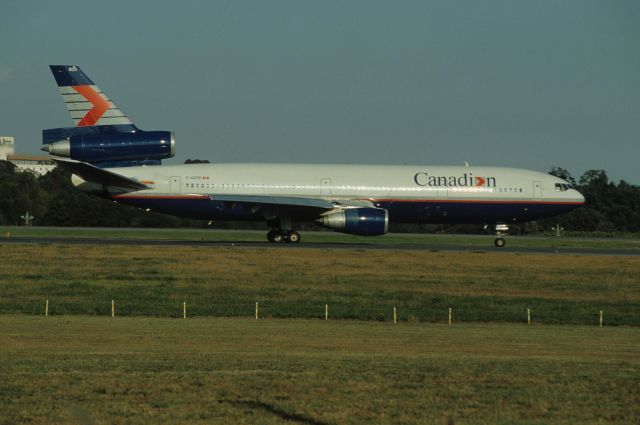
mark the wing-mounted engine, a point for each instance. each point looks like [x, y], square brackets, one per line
[357, 221]
[110, 146]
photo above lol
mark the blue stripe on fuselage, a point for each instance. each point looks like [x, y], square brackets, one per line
[400, 211]
[463, 212]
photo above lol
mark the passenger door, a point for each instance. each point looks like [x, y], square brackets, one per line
[537, 190]
[325, 187]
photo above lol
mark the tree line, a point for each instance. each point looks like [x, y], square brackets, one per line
[610, 206]
[53, 201]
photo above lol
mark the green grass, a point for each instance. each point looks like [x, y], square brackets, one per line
[480, 241]
[295, 283]
[80, 366]
[234, 371]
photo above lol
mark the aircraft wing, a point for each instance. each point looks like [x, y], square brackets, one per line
[294, 201]
[98, 175]
[276, 200]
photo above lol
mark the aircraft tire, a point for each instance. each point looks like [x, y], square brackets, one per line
[275, 236]
[293, 237]
[278, 236]
[500, 242]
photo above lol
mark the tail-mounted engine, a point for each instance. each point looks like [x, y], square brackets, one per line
[110, 146]
[357, 221]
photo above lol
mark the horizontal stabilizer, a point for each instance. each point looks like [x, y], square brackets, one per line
[99, 176]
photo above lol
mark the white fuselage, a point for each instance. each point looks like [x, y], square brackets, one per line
[410, 193]
[371, 182]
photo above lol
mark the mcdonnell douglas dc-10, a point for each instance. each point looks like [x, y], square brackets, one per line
[110, 157]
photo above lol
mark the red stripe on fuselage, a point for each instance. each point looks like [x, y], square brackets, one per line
[475, 201]
[161, 197]
[459, 201]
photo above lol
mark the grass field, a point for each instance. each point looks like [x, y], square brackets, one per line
[78, 369]
[220, 366]
[480, 241]
[295, 283]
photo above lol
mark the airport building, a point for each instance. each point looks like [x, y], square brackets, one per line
[39, 165]
[6, 147]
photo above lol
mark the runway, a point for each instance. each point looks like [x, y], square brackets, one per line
[328, 246]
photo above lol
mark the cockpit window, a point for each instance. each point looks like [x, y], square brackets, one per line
[561, 187]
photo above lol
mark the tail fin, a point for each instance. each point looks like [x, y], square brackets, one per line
[86, 103]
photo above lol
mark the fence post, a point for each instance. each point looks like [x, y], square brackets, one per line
[113, 308]
[395, 316]
[184, 309]
[528, 316]
[449, 315]
[601, 318]
[46, 308]
[256, 310]
[326, 312]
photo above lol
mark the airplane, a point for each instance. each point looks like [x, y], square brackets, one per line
[110, 157]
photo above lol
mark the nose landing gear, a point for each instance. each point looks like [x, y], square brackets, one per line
[501, 230]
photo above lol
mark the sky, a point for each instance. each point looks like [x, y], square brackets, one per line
[527, 84]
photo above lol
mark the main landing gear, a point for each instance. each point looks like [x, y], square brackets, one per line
[501, 230]
[277, 235]
[281, 230]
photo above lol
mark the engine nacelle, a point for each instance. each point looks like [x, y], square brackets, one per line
[357, 221]
[139, 145]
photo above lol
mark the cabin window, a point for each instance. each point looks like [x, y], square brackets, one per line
[561, 187]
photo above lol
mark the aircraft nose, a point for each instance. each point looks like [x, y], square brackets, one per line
[580, 197]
